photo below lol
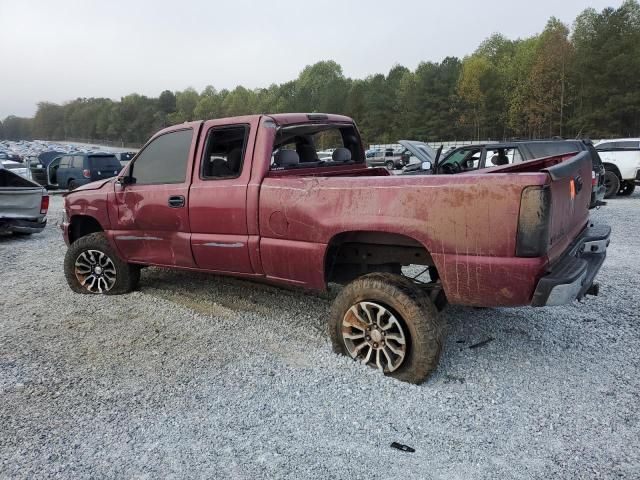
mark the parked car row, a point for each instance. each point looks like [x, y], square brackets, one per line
[45, 163]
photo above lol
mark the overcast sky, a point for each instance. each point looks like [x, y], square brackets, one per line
[58, 50]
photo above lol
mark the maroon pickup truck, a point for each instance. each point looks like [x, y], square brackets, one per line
[248, 197]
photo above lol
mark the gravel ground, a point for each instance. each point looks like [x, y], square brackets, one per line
[199, 376]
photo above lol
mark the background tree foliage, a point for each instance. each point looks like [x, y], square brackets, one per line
[560, 82]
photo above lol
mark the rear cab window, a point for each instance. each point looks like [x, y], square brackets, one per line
[104, 162]
[297, 146]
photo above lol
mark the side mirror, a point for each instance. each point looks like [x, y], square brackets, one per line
[126, 180]
[425, 166]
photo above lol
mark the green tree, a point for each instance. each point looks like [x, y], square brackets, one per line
[48, 122]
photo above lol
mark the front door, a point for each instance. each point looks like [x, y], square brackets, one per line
[152, 212]
[218, 197]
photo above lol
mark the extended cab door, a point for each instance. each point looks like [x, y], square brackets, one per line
[152, 224]
[218, 196]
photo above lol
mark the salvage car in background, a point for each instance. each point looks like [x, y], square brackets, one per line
[124, 157]
[621, 159]
[415, 152]
[233, 196]
[389, 158]
[410, 152]
[43, 168]
[475, 157]
[17, 167]
[82, 168]
[23, 204]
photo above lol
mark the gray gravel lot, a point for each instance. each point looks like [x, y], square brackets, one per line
[199, 376]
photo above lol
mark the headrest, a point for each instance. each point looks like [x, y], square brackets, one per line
[341, 155]
[284, 158]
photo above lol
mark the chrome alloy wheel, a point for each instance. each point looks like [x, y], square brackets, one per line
[95, 271]
[375, 336]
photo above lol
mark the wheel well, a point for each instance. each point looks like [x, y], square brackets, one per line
[353, 254]
[82, 225]
[612, 168]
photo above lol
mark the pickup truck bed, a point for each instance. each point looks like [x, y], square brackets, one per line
[251, 200]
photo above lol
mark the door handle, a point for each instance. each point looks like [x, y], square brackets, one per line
[176, 201]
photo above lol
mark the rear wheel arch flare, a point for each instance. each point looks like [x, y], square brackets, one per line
[363, 252]
[612, 168]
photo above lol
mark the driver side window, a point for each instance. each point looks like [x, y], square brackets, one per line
[164, 160]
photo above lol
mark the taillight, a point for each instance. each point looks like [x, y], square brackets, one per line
[594, 179]
[44, 204]
[86, 173]
[533, 222]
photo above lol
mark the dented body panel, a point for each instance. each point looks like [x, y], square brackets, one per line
[280, 225]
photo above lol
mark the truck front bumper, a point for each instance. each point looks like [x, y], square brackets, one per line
[571, 277]
[22, 226]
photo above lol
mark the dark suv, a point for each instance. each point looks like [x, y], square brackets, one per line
[485, 155]
[79, 169]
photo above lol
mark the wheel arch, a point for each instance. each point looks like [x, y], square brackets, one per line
[351, 254]
[612, 168]
[83, 225]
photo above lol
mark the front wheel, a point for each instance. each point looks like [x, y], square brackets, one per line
[92, 266]
[385, 321]
[626, 188]
[611, 184]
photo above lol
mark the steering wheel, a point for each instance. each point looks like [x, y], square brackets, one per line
[452, 167]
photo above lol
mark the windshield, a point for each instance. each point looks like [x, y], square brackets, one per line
[315, 145]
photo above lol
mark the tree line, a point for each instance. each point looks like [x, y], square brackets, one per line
[583, 81]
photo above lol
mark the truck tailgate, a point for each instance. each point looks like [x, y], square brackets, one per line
[20, 202]
[19, 197]
[570, 195]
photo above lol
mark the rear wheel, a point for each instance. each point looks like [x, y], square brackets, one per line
[72, 185]
[92, 266]
[611, 184]
[385, 321]
[626, 188]
[390, 165]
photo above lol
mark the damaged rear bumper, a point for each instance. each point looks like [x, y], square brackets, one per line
[571, 277]
[22, 226]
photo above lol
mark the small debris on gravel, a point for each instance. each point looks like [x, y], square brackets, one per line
[202, 376]
[404, 448]
[482, 343]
